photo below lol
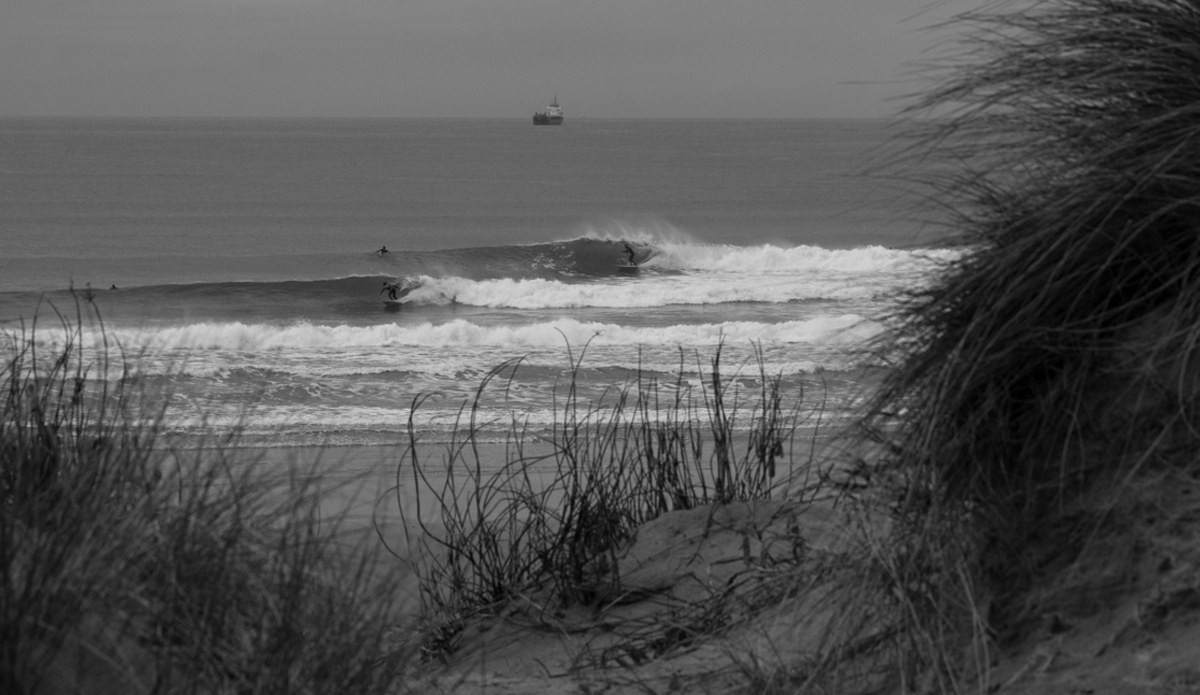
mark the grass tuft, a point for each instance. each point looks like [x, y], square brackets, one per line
[127, 566]
[550, 520]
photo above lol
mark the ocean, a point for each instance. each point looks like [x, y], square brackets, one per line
[236, 262]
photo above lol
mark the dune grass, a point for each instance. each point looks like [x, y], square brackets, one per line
[551, 519]
[127, 566]
[1058, 352]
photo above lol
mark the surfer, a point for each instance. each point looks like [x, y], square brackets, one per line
[399, 290]
[382, 251]
[630, 252]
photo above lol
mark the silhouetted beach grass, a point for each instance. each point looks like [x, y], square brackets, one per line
[133, 564]
[1051, 368]
[130, 566]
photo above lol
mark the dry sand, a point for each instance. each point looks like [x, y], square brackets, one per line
[712, 599]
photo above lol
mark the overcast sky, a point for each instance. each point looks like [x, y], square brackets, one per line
[602, 58]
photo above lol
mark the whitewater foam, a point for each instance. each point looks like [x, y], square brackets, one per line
[844, 329]
[706, 274]
[742, 259]
[308, 426]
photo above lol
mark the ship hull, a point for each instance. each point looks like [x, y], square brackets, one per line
[553, 115]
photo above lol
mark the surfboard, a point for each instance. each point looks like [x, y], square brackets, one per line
[395, 303]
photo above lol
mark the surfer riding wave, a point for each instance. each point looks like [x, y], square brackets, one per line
[398, 290]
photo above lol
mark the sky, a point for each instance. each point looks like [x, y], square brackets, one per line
[460, 58]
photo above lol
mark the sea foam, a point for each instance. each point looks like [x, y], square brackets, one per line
[750, 259]
[844, 329]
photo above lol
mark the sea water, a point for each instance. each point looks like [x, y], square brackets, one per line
[235, 262]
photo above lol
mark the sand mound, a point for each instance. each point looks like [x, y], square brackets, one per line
[685, 592]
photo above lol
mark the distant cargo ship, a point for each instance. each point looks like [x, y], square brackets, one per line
[553, 115]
